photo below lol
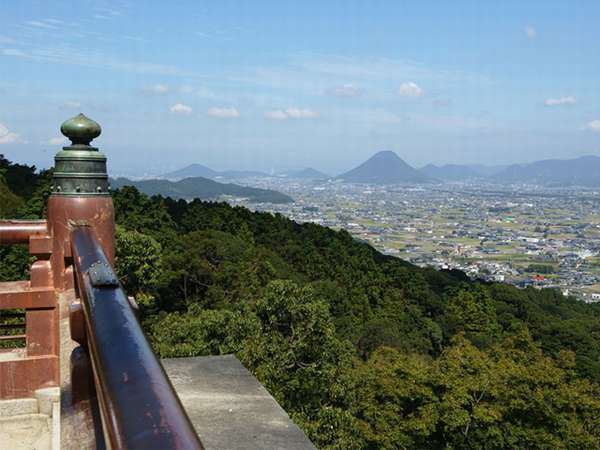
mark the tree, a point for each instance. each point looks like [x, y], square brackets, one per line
[9, 202]
[138, 263]
[297, 354]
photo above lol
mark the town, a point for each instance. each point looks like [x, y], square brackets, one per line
[522, 235]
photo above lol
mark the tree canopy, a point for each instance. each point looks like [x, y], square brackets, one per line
[365, 351]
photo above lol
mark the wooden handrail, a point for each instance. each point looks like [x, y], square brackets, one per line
[138, 405]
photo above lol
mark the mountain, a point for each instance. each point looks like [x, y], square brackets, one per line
[198, 170]
[202, 188]
[384, 168]
[487, 171]
[583, 171]
[193, 170]
[364, 350]
[450, 172]
[307, 174]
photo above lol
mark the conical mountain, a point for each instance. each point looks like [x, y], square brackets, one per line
[384, 168]
[193, 170]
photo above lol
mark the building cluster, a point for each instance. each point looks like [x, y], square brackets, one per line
[523, 235]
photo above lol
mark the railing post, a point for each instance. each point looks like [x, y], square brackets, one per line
[79, 195]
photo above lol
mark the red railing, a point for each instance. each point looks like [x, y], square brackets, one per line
[138, 405]
[19, 231]
[30, 305]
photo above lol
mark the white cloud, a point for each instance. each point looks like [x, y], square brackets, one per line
[58, 140]
[291, 113]
[223, 113]
[12, 52]
[70, 56]
[6, 40]
[72, 104]
[7, 136]
[345, 90]
[276, 115]
[181, 109]
[569, 100]
[296, 113]
[157, 89]
[530, 32]
[410, 89]
[42, 24]
[594, 126]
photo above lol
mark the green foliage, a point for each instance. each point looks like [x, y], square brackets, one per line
[363, 350]
[297, 355]
[540, 268]
[21, 179]
[511, 396]
[35, 206]
[138, 263]
[9, 202]
[442, 355]
[201, 332]
[14, 262]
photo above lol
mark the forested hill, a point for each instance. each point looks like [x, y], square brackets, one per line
[363, 350]
[203, 188]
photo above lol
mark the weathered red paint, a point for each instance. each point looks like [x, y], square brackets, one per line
[64, 212]
[19, 231]
[36, 365]
[23, 375]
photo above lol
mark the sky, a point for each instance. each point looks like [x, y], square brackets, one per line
[276, 85]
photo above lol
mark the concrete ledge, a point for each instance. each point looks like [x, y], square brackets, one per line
[229, 408]
[18, 406]
[26, 432]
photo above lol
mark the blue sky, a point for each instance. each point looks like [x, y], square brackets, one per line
[281, 84]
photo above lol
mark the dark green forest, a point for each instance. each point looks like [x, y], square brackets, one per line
[363, 350]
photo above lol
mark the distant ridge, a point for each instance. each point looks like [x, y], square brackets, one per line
[202, 188]
[582, 171]
[385, 167]
[241, 174]
[193, 170]
[198, 170]
[450, 172]
[307, 174]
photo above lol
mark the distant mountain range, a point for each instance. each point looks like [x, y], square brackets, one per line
[198, 170]
[450, 172]
[387, 167]
[384, 168]
[307, 174]
[202, 188]
[583, 171]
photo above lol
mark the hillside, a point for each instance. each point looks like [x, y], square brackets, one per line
[202, 188]
[307, 174]
[363, 350]
[384, 168]
[583, 171]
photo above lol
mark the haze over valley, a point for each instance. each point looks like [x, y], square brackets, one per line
[528, 225]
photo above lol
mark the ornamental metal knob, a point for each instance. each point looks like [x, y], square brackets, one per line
[80, 169]
[81, 130]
